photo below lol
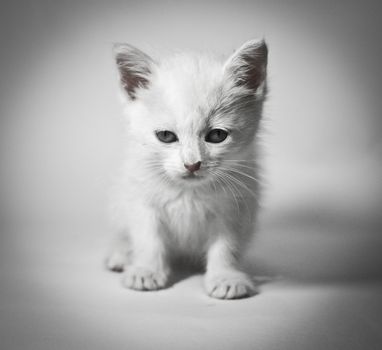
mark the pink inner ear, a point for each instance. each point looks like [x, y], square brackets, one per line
[131, 82]
[250, 65]
[254, 73]
[134, 68]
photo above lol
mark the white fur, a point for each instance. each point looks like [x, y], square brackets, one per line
[209, 218]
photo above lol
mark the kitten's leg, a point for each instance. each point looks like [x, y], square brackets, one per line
[116, 261]
[223, 279]
[118, 255]
[149, 269]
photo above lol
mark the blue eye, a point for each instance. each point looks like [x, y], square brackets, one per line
[166, 136]
[216, 136]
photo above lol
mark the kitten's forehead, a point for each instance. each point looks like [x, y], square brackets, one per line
[191, 93]
[187, 85]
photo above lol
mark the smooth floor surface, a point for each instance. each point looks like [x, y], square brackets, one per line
[55, 294]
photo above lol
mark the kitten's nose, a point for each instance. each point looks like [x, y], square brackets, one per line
[193, 167]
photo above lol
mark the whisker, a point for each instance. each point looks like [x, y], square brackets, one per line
[241, 173]
[242, 184]
[241, 166]
[240, 160]
[231, 188]
[236, 181]
[221, 183]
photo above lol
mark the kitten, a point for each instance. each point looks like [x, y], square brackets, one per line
[190, 182]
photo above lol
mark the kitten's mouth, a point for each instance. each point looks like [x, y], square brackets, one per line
[191, 177]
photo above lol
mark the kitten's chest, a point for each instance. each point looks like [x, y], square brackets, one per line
[189, 215]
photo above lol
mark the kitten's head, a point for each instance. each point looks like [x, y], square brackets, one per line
[192, 117]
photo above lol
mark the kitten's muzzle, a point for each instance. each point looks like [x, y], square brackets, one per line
[193, 167]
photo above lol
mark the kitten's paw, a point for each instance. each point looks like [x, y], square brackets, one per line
[140, 278]
[116, 261]
[229, 285]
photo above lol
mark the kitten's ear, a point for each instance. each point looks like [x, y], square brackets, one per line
[135, 68]
[248, 66]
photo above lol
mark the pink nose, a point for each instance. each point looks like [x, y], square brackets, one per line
[193, 167]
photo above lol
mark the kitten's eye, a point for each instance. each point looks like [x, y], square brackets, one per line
[166, 136]
[216, 136]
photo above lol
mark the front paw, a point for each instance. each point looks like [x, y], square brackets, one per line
[229, 285]
[115, 261]
[142, 278]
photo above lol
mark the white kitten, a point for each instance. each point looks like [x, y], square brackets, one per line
[189, 185]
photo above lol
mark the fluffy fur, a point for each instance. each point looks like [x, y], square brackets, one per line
[161, 208]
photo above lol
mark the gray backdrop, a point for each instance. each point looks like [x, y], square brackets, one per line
[60, 133]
